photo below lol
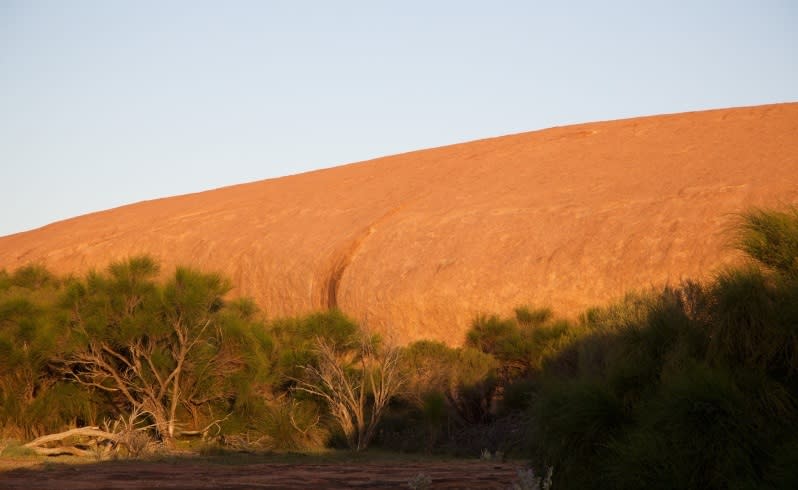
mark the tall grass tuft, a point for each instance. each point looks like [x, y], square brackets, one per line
[770, 238]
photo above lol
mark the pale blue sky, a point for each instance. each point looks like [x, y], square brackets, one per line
[104, 103]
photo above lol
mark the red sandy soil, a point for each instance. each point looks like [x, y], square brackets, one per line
[187, 475]
[415, 245]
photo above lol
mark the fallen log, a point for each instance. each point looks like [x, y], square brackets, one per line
[37, 445]
[55, 451]
[192, 433]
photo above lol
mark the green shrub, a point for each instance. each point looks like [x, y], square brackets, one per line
[5, 280]
[698, 432]
[530, 317]
[428, 369]
[518, 395]
[572, 424]
[493, 335]
[755, 321]
[32, 277]
[292, 425]
[296, 338]
[783, 472]
[15, 449]
[770, 238]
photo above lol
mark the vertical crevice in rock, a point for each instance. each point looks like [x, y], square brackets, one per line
[342, 258]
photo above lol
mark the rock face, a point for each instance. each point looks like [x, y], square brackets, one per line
[415, 245]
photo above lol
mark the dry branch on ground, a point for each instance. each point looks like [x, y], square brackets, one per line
[40, 444]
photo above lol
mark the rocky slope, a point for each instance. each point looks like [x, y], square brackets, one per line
[415, 245]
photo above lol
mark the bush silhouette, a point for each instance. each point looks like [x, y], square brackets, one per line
[689, 387]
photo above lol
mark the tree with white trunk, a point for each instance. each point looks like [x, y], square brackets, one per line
[144, 344]
[355, 383]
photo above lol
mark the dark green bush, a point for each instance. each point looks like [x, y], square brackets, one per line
[692, 387]
[698, 432]
[572, 424]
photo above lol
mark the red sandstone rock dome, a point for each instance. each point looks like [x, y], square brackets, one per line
[415, 245]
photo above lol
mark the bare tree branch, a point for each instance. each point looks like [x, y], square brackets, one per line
[347, 390]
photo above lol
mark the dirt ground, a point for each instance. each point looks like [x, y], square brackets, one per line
[203, 474]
